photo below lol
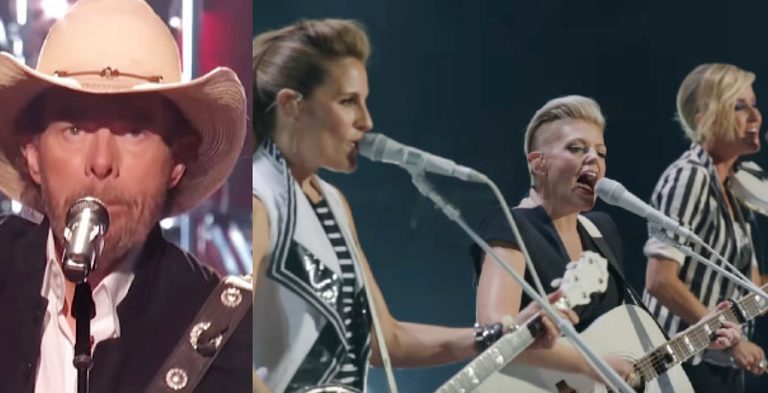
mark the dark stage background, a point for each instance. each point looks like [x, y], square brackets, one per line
[462, 81]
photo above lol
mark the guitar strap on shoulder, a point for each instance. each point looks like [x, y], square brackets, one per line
[605, 249]
[210, 330]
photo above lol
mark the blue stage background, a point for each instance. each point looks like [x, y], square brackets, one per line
[462, 79]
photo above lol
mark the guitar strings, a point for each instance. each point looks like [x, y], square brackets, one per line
[648, 364]
[677, 346]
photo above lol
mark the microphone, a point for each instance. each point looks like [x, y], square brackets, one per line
[614, 193]
[377, 147]
[87, 223]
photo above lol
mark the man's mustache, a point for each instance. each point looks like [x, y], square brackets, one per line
[110, 197]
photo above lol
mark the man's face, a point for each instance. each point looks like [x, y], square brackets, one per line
[115, 148]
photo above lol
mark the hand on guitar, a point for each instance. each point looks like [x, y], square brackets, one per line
[749, 356]
[746, 354]
[546, 340]
[727, 336]
[729, 333]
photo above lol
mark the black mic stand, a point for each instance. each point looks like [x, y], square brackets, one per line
[83, 310]
[87, 222]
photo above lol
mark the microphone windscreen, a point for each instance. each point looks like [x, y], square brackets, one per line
[369, 146]
[610, 191]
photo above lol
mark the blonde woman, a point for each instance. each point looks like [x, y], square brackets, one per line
[566, 154]
[717, 109]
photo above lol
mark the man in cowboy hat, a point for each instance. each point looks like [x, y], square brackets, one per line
[105, 114]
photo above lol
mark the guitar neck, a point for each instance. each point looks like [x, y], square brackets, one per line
[494, 358]
[696, 339]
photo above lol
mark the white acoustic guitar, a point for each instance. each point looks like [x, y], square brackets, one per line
[630, 332]
[582, 278]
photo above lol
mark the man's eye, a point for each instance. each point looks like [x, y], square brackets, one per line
[74, 130]
[137, 132]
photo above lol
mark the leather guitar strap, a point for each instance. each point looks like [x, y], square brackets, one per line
[210, 330]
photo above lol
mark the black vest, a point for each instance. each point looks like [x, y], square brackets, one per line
[167, 291]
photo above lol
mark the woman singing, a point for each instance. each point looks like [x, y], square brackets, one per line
[312, 320]
[566, 156]
[717, 109]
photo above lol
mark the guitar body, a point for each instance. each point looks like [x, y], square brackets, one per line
[626, 331]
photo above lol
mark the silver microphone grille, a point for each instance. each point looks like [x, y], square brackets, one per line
[94, 206]
[87, 223]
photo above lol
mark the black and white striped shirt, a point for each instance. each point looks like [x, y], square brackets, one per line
[689, 192]
[351, 371]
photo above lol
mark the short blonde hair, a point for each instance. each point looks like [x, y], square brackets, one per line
[711, 91]
[573, 107]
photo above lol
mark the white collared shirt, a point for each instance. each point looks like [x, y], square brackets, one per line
[55, 372]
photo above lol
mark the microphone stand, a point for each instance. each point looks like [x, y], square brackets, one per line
[516, 232]
[606, 372]
[740, 281]
[83, 309]
[87, 222]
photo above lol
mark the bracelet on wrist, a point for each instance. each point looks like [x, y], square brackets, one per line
[486, 335]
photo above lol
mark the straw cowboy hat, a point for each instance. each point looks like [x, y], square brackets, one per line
[112, 47]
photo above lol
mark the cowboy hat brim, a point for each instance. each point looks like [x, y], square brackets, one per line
[214, 104]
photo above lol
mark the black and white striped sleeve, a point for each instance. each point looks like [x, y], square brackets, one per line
[682, 194]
